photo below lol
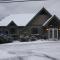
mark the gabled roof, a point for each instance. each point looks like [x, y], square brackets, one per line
[42, 11]
[18, 19]
[51, 18]
[12, 23]
[24, 19]
[21, 19]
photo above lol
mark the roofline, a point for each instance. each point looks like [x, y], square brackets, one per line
[11, 22]
[50, 19]
[37, 14]
[47, 21]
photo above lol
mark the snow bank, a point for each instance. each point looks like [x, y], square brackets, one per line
[5, 56]
[37, 50]
[33, 42]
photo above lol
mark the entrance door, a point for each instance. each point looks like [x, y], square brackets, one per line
[53, 34]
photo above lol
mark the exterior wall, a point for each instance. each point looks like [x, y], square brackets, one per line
[54, 23]
[7, 31]
[37, 22]
[42, 31]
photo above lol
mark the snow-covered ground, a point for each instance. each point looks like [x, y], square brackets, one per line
[38, 50]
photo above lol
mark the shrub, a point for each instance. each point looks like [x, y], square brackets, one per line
[4, 40]
[33, 38]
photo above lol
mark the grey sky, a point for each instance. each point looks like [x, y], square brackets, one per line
[19, 7]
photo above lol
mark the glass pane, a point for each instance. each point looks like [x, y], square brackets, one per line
[51, 33]
[55, 33]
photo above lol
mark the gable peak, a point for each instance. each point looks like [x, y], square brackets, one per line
[44, 11]
[12, 23]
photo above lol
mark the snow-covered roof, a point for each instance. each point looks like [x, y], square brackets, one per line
[18, 19]
[21, 19]
[29, 10]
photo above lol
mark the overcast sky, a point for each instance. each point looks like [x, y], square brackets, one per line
[19, 7]
[22, 0]
[29, 7]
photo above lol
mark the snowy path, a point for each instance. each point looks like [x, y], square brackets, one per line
[43, 50]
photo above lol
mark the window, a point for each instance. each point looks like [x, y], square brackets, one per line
[34, 30]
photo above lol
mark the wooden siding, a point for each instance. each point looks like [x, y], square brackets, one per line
[39, 20]
[42, 16]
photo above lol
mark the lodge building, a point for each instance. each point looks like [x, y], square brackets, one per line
[43, 24]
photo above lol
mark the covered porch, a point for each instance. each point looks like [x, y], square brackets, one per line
[51, 28]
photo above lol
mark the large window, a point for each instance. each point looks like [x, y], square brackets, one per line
[34, 30]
